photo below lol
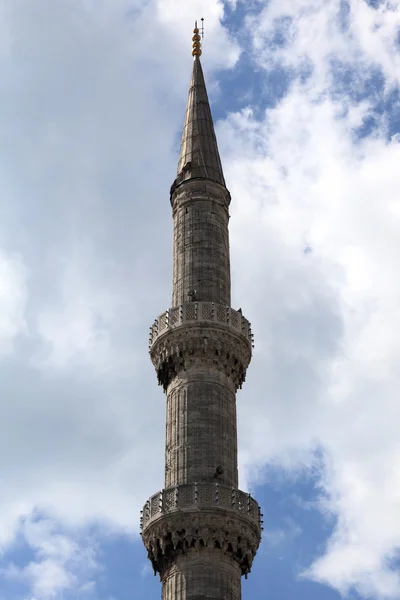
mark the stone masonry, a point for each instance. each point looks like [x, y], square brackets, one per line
[201, 533]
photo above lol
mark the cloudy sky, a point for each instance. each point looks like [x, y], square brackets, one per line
[305, 96]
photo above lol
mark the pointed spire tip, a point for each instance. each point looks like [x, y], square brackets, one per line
[198, 157]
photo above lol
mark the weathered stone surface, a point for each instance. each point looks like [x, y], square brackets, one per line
[201, 244]
[199, 156]
[195, 496]
[201, 405]
[206, 574]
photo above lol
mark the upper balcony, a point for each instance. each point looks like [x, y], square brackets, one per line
[207, 312]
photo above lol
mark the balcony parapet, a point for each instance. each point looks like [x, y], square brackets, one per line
[198, 496]
[207, 312]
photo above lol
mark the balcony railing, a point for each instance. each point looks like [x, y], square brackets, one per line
[200, 495]
[200, 311]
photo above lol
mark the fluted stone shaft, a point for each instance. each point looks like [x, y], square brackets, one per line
[201, 263]
[202, 576]
[201, 429]
[201, 432]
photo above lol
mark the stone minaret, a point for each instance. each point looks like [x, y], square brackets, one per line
[200, 531]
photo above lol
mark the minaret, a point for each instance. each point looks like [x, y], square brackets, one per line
[200, 531]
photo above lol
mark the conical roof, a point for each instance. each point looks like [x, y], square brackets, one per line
[199, 156]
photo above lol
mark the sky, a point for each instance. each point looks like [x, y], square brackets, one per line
[306, 103]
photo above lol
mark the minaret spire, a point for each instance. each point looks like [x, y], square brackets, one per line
[201, 532]
[199, 155]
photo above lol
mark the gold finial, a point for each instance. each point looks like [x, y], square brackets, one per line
[197, 39]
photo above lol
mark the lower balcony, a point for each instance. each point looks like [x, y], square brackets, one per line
[201, 517]
[200, 495]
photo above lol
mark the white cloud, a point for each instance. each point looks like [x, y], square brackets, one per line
[13, 281]
[300, 33]
[327, 351]
[76, 328]
[59, 564]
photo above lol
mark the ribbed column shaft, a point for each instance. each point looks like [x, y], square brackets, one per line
[201, 248]
[201, 432]
[202, 575]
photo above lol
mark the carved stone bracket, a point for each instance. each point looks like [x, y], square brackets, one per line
[183, 532]
[204, 345]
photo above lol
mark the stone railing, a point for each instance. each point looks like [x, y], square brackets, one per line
[200, 495]
[200, 311]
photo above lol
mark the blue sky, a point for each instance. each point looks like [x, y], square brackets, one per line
[305, 97]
